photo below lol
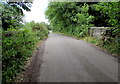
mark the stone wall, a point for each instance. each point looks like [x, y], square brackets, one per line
[97, 31]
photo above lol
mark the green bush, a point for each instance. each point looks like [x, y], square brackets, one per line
[16, 49]
[41, 29]
[18, 46]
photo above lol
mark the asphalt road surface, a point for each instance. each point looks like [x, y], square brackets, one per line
[67, 59]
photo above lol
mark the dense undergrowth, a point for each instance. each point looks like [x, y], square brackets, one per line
[19, 38]
[18, 46]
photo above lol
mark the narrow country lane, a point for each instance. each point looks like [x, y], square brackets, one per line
[67, 59]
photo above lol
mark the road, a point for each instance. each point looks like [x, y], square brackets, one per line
[67, 59]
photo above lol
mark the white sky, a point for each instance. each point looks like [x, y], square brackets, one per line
[37, 12]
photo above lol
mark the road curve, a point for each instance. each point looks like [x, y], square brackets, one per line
[67, 59]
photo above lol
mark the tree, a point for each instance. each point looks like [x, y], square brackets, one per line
[69, 17]
[12, 14]
[109, 10]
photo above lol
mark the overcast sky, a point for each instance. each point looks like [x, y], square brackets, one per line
[37, 11]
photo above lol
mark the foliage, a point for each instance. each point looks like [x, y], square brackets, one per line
[12, 14]
[11, 17]
[19, 40]
[18, 47]
[92, 40]
[75, 17]
[109, 12]
[111, 9]
[25, 5]
[41, 29]
[0, 55]
[69, 17]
